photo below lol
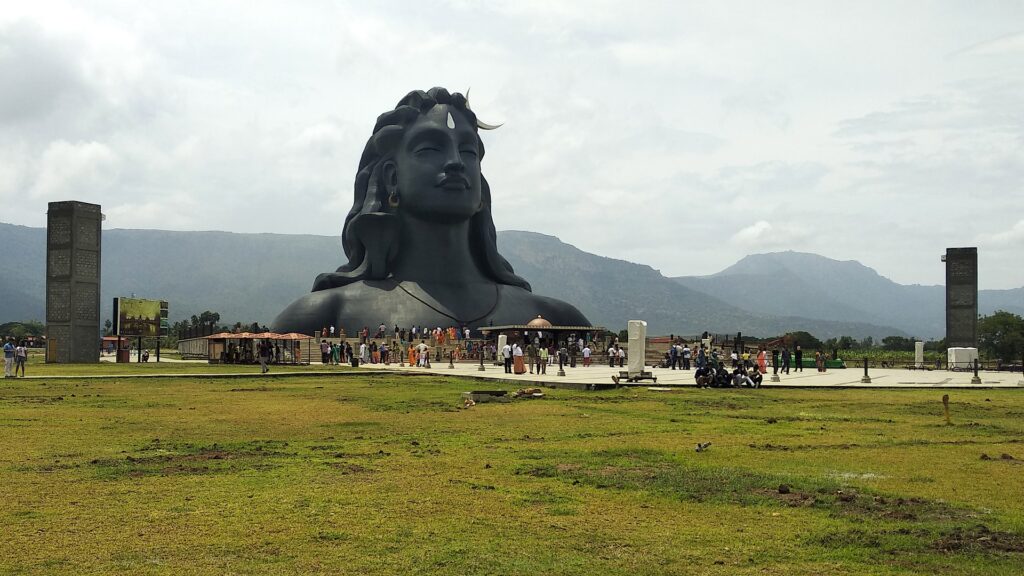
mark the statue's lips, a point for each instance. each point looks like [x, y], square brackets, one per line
[454, 183]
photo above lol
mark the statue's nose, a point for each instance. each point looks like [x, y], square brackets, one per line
[454, 163]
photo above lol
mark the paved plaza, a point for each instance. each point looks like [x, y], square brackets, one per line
[842, 378]
[581, 377]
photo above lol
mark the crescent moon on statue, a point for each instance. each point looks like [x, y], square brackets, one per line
[486, 126]
[479, 124]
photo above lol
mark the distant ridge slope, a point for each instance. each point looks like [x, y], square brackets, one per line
[251, 277]
[818, 287]
[610, 292]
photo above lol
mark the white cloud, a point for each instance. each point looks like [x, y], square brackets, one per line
[172, 212]
[629, 129]
[1011, 238]
[762, 235]
[81, 169]
[1009, 44]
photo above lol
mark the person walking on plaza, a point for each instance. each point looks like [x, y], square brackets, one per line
[785, 360]
[622, 356]
[517, 359]
[506, 355]
[325, 352]
[586, 355]
[799, 359]
[673, 356]
[613, 353]
[20, 356]
[686, 356]
[531, 356]
[762, 359]
[423, 351]
[542, 361]
[264, 352]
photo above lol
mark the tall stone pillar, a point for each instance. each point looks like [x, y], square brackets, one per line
[961, 297]
[73, 235]
[637, 332]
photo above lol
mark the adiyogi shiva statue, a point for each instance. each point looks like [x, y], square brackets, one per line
[420, 238]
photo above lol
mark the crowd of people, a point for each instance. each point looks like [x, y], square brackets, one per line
[532, 353]
[745, 369]
[436, 335]
[538, 356]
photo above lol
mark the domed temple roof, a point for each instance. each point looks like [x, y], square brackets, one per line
[538, 323]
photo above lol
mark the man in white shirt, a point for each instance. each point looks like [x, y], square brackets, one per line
[506, 354]
[586, 355]
[423, 354]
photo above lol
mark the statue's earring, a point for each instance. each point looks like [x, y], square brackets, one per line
[393, 199]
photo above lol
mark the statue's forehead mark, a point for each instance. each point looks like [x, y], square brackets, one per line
[451, 121]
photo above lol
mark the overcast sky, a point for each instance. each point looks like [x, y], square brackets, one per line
[679, 135]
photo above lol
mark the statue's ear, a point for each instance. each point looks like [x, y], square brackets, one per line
[390, 173]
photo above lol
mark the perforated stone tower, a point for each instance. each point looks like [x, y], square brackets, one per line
[73, 234]
[961, 297]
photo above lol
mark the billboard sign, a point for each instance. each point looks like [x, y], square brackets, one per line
[139, 317]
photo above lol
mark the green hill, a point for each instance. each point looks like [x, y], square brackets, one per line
[809, 285]
[251, 277]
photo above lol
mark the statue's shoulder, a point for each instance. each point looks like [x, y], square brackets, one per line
[309, 312]
[558, 312]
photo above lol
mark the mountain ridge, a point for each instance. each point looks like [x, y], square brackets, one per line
[252, 276]
[840, 290]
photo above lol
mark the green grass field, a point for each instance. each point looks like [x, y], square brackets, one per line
[388, 475]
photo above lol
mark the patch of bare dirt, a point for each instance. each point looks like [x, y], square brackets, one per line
[980, 539]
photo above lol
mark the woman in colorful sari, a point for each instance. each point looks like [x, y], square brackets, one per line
[518, 366]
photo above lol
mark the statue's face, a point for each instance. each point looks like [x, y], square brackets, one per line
[437, 167]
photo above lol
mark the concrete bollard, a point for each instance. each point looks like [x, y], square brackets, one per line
[866, 379]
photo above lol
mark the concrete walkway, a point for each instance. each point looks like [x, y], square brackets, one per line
[601, 376]
[580, 377]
